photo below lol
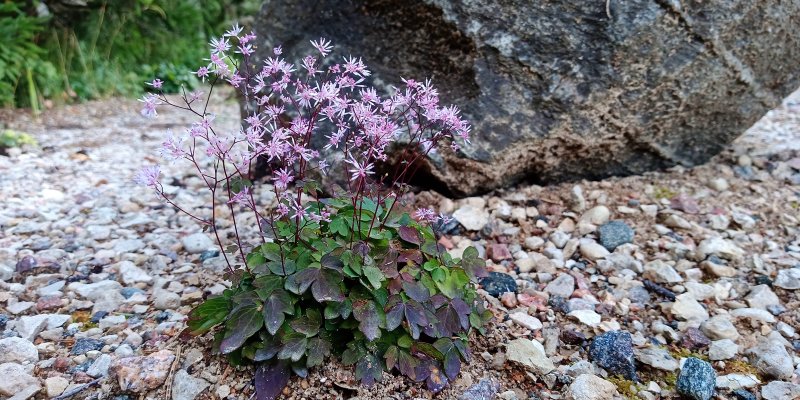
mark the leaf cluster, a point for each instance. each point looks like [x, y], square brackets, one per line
[369, 287]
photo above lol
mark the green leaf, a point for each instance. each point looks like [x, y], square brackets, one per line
[339, 226]
[341, 309]
[474, 266]
[455, 283]
[242, 324]
[369, 370]
[283, 268]
[255, 259]
[267, 284]
[373, 275]
[207, 315]
[318, 349]
[309, 324]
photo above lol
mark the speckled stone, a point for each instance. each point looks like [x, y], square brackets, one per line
[697, 379]
[498, 283]
[614, 234]
[614, 352]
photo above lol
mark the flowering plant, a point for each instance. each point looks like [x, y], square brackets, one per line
[345, 273]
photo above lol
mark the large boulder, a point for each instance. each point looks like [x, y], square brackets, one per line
[566, 89]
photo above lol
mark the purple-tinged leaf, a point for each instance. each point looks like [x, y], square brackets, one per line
[410, 255]
[318, 349]
[293, 346]
[267, 352]
[309, 324]
[369, 370]
[242, 324]
[338, 309]
[331, 261]
[302, 280]
[437, 379]
[416, 291]
[300, 370]
[432, 248]
[370, 318]
[328, 286]
[277, 304]
[361, 248]
[395, 313]
[388, 265]
[449, 320]
[452, 360]
[402, 360]
[270, 380]
[463, 350]
[473, 265]
[409, 234]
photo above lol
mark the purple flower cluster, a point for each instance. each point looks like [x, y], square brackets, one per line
[321, 96]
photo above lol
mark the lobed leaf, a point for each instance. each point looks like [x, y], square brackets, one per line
[370, 318]
[242, 324]
[270, 380]
[208, 314]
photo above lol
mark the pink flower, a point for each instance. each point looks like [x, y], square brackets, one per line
[148, 176]
[156, 83]
[234, 31]
[149, 108]
[220, 45]
[425, 214]
[323, 46]
[242, 198]
[277, 50]
[359, 170]
[202, 73]
[283, 178]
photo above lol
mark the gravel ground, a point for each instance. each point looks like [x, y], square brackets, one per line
[683, 282]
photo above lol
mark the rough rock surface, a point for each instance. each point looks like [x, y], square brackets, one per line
[568, 89]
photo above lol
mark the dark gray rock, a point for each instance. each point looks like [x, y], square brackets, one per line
[566, 89]
[83, 345]
[614, 352]
[697, 379]
[498, 283]
[615, 233]
[742, 394]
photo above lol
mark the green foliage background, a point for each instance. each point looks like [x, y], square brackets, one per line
[107, 47]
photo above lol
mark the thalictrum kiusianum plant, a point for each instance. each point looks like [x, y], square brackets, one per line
[350, 274]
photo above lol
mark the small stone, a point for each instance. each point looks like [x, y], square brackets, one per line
[187, 387]
[687, 308]
[197, 243]
[737, 381]
[720, 327]
[485, 389]
[592, 250]
[777, 390]
[577, 200]
[100, 366]
[534, 243]
[526, 321]
[597, 215]
[614, 234]
[718, 184]
[591, 387]
[26, 264]
[788, 279]
[771, 359]
[20, 307]
[753, 314]
[144, 373]
[742, 394]
[724, 349]
[498, 283]
[16, 380]
[661, 272]
[84, 345]
[614, 351]
[657, 358]
[111, 321]
[132, 274]
[166, 300]
[719, 247]
[694, 340]
[55, 385]
[572, 337]
[18, 350]
[562, 286]
[761, 296]
[718, 270]
[472, 218]
[129, 245]
[586, 317]
[697, 379]
[499, 252]
[209, 254]
[530, 354]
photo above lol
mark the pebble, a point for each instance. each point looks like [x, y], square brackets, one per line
[719, 247]
[657, 358]
[143, 373]
[697, 379]
[761, 296]
[586, 317]
[498, 283]
[771, 359]
[471, 218]
[687, 308]
[788, 279]
[593, 251]
[187, 387]
[723, 349]
[562, 286]
[18, 350]
[485, 389]
[737, 381]
[720, 327]
[100, 366]
[614, 352]
[661, 272]
[129, 245]
[694, 339]
[16, 381]
[597, 215]
[777, 390]
[526, 321]
[55, 385]
[591, 387]
[197, 243]
[84, 345]
[132, 274]
[530, 354]
[614, 234]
